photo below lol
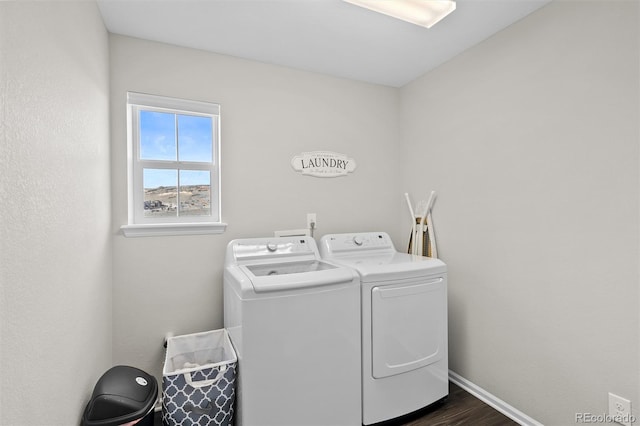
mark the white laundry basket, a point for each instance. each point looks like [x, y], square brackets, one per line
[198, 380]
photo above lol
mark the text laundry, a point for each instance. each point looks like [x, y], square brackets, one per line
[324, 162]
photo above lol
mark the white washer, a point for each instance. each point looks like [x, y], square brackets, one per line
[404, 324]
[294, 321]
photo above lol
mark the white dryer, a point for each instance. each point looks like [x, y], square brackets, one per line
[404, 324]
[294, 321]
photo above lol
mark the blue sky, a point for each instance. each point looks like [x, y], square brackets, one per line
[158, 142]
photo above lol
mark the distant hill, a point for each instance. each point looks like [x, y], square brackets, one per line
[163, 201]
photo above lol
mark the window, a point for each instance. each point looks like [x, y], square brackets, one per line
[174, 166]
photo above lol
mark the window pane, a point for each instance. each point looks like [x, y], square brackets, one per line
[160, 194]
[195, 138]
[157, 136]
[195, 193]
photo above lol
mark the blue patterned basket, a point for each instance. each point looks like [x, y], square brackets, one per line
[198, 380]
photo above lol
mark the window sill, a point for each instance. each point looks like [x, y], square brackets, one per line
[165, 229]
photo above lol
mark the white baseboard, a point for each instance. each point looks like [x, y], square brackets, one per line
[492, 400]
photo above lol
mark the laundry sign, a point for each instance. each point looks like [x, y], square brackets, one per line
[323, 164]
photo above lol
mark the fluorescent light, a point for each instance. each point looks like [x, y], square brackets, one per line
[425, 13]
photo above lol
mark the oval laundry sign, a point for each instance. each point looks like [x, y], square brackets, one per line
[323, 164]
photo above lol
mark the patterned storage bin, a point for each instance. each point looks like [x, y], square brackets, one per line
[198, 380]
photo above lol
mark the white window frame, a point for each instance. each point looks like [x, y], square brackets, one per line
[139, 225]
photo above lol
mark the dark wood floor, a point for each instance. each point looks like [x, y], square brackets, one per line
[459, 409]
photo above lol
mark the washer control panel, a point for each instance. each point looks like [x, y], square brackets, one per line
[340, 243]
[266, 248]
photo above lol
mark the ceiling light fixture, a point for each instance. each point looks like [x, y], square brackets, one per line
[425, 13]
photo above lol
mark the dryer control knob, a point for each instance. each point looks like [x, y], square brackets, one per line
[357, 240]
[272, 247]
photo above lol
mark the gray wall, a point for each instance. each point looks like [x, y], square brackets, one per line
[55, 241]
[269, 114]
[531, 139]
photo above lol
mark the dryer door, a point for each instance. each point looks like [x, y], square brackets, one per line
[408, 325]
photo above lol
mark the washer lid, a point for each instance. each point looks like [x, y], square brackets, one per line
[269, 269]
[266, 277]
[387, 266]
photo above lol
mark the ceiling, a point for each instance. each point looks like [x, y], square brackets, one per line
[325, 36]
